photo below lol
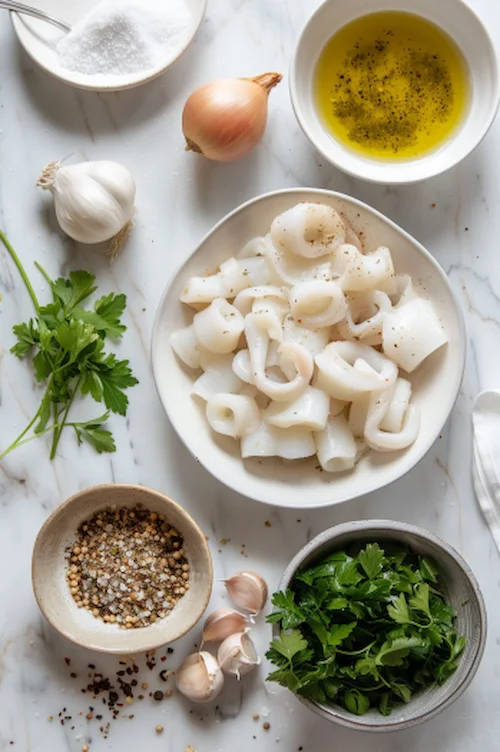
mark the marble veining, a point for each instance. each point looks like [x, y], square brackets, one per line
[179, 198]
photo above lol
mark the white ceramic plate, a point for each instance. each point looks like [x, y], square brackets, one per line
[461, 24]
[435, 383]
[39, 39]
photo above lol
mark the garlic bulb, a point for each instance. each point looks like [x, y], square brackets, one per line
[94, 201]
[222, 624]
[237, 655]
[248, 591]
[200, 678]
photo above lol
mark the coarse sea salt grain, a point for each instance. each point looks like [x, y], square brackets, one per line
[120, 37]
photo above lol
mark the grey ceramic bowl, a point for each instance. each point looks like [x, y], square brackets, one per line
[461, 589]
[77, 624]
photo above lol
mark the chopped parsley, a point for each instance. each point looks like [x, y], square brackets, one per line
[364, 629]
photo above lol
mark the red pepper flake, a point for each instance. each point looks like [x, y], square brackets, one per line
[163, 658]
[67, 661]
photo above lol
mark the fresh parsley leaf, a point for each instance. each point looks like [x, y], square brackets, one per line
[286, 611]
[384, 705]
[420, 601]
[285, 676]
[289, 644]
[324, 570]
[402, 690]
[428, 570]
[91, 384]
[27, 336]
[73, 290]
[398, 610]
[74, 336]
[393, 652]
[348, 573]
[356, 702]
[459, 647]
[339, 633]
[43, 365]
[442, 613]
[92, 430]
[106, 315]
[114, 376]
[337, 604]
[367, 666]
[371, 560]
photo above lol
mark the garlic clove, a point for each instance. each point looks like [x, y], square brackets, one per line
[200, 678]
[237, 655]
[248, 590]
[222, 624]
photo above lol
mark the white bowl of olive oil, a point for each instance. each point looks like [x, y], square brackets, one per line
[395, 95]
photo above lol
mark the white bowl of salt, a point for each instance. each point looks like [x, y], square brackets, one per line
[113, 44]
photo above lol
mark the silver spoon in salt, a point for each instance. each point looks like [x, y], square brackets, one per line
[29, 11]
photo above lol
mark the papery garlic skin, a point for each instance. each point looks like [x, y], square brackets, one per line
[222, 624]
[93, 201]
[237, 655]
[200, 677]
[247, 590]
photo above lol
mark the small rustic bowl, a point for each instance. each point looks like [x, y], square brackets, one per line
[455, 18]
[77, 624]
[461, 589]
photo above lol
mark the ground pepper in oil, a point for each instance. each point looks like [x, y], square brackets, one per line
[391, 85]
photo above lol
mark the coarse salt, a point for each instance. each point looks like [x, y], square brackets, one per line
[121, 37]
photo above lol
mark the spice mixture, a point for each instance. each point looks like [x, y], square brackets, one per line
[127, 567]
[391, 84]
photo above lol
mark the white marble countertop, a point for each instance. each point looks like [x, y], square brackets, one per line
[179, 198]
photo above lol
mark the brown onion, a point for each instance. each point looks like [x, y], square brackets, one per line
[226, 119]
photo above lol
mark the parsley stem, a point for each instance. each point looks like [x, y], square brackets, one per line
[21, 270]
[59, 430]
[42, 271]
[18, 441]
[30, 438]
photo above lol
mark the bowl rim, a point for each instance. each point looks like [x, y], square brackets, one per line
[73, 499]
[379, 526]
[378, 176]
[156, 344]
[17, 22]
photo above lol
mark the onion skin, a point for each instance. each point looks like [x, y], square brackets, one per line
[225, 119]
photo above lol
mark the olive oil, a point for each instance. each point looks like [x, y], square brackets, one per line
[391, 85]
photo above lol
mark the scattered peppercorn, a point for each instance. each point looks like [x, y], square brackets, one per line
[159, 729]
[158, 695]
[266, 726]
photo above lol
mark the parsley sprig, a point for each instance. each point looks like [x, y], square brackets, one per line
[67, 344]
[365, 629]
